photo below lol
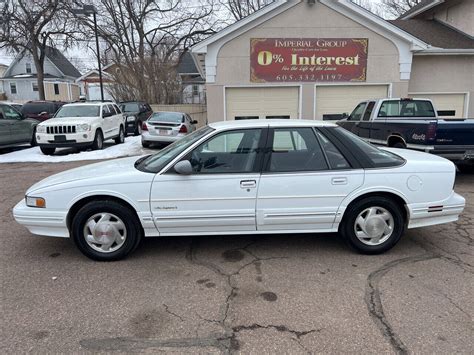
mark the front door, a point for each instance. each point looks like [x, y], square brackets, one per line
[304, 181]
[5, 136]
[220, 194]
[19, 130]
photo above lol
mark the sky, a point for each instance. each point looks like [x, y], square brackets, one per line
[83, 58]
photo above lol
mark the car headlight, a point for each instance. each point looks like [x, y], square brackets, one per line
[83, 127]
[35, 202]
[131, 118]
[40, 129]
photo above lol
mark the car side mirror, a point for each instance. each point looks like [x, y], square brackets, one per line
[194, 122]
[183, 167]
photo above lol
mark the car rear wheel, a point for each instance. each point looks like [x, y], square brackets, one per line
[106, 230]
[121, 137]
[373, 225]
[47, 150]
[98, 143]
[138, 128]
[33, 139]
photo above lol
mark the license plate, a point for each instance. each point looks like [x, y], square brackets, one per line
[164, 132]
[130, 119]
[59, 138]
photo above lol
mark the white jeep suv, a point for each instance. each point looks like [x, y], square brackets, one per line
[82, 125]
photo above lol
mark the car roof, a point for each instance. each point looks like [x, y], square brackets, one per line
[88, 103]
[271, 123]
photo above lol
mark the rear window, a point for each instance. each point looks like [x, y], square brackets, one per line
[406, 108]
[173, 117]
[379, 158]
[38, 107]
[78, 111]
[130, 107]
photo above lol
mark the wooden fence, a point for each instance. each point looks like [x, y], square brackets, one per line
[198, 112]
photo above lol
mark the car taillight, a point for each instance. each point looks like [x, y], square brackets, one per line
[183, 129]
[144, 127]
[431, 132]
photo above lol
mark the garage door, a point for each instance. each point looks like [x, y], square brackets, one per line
[452, 104]
[332, 101]
[261, 103]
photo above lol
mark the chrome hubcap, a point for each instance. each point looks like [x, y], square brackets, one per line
[105, 232]
[374, 226]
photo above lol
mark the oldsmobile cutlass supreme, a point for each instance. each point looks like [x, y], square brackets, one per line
[247, 177]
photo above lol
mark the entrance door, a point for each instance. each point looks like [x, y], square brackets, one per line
[220, 194]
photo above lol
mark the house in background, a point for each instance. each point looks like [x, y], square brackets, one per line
[3, 68]
[191, 80]
[89, 83]
[20, 79]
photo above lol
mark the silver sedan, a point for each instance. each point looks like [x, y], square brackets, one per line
[166, 127]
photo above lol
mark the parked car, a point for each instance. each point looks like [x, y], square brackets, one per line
[82, 125]
[166, 127]
[413, 124]
[136, 112]
[40, 110]
[15, 128]
[15, 105]
[247, 177]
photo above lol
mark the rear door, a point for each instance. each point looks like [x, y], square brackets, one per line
[220, 195]
[305, 179]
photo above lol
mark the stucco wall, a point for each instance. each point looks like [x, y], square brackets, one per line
[444, 74]
[317, 21]
[458, 14]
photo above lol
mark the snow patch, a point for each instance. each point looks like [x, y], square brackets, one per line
[131, 147]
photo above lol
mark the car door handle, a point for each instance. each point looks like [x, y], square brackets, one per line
[339, 181]
[248, 184]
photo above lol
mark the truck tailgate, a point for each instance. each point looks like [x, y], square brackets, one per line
[455, 132]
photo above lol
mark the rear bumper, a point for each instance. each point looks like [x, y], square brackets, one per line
[41, 221]
[455, 153]
[147, 137]
[423, 214]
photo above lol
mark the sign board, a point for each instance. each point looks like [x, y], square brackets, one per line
[308, 59]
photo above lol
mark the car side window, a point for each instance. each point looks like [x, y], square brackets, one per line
[356, 115]
[296, 149]
[368, 111]
[227, 152]
[112, 109]
[334, 156]
[9, 113]
[105, 111]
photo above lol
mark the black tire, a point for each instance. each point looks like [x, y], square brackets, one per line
[121, 137]
[348, 226]
[133, 229]
[399, 145]
[33, 138]
[146, 144]
[138, 129]
[465, 168]
[98, 143]
[47, 150]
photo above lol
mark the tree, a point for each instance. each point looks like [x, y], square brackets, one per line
[399, 7]
[143, 38]
[242, 8]
[30, 26]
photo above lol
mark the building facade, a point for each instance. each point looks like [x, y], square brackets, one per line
[318, 59]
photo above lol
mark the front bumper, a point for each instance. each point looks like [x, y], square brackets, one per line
[82, 139]
[439, 212]
[41, 221]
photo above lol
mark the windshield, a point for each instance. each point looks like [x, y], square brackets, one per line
[78, 111]
[173, 117]
[130, 107]
[380, 158]
[156, 162]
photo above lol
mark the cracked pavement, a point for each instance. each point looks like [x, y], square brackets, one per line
[240, 294]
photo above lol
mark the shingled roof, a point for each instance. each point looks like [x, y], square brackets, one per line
[62, 63]
[436, 34]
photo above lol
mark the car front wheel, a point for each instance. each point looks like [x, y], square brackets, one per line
[106, 230]
[373, 225]
[138, 128]
[98, 143]
[121, 137]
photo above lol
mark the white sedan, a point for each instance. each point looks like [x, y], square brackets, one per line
[247, 177]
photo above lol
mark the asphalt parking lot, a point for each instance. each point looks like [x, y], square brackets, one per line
[272, 294]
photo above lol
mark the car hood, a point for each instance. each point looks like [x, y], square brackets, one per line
[111, 172]
[69, 120]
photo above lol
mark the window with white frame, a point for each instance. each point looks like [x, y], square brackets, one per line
[56, 89]
[195, 90]
[34, 86]
[13, 88]
[28, 67]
